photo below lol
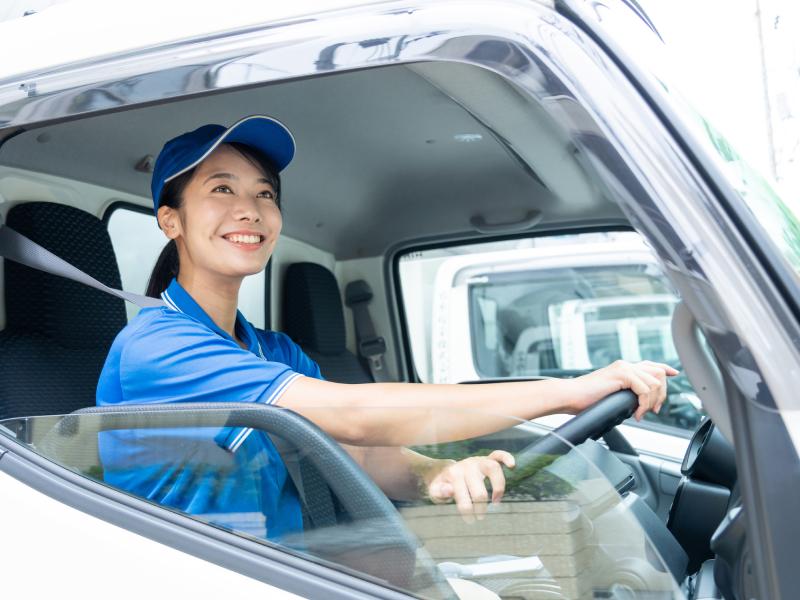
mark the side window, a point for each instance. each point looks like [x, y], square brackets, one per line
[138, 241]
[560, 530]
[558, 306]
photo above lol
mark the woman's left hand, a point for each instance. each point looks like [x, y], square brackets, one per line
[465, 483]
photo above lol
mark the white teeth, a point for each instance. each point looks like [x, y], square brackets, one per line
[243, 239]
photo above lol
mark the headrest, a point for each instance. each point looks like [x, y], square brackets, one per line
[312, 308]
[72, 314]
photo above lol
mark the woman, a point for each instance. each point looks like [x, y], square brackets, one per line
[216, 194]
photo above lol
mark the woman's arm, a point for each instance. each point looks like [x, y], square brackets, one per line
[405, 414]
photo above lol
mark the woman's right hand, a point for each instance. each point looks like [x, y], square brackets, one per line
[646, 379]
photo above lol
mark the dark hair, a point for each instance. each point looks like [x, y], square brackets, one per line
[168, 264]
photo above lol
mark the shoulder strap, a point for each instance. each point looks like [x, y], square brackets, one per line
[17, 247]
[371, 346]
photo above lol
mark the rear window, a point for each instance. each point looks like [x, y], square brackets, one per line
[558, 305]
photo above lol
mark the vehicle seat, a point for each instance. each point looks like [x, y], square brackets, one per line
[313, 317]
[58, 331]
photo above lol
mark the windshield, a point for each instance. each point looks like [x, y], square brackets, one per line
[564, 527]
[779, 217]
[557, 305]
[778, 214]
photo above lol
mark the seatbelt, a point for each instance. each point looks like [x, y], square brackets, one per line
[15, 246]
[371, 346]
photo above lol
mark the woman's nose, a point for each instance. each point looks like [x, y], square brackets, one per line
[246, 209]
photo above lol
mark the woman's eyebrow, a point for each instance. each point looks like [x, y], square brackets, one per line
[221, 176]
[233, 177]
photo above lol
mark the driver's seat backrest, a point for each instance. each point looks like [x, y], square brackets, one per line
[58, 331]
[313, 317]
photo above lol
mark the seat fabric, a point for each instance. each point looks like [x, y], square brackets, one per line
[58, 331]
[313, 317]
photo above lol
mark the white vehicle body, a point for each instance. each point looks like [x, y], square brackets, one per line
[49, 535]
[451, 347]
[451, 335]
[129, 58]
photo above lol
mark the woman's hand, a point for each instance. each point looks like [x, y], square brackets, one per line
[465, 482]
[646, 379]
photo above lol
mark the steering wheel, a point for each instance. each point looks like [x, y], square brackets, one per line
[590, 423]
[382, 546]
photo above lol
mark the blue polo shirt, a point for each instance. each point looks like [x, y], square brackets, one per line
[230, 477]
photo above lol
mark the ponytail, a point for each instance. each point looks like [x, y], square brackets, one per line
[167, 267]
[168, 264]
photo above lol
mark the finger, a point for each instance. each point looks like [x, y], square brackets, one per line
[669, 371]
[642, 390]
[476, 484]
[651, 380]
[635, 383]
[495, 474]
[654, 369]
[661, 391]
[504, 457]
[655, 380]
[462, 497]
[440, 492]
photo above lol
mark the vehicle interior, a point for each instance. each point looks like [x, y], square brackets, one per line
[391, 163]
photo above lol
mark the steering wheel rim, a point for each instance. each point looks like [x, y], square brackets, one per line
[590, 423]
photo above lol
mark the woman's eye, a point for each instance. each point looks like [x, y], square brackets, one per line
[222, 188]
[267, 194]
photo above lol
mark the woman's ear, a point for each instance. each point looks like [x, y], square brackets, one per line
[168, 221]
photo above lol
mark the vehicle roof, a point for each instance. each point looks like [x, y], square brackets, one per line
[88, 30]
[379, 156]
[632, 251]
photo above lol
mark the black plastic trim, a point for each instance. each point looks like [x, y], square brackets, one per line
[117, 204]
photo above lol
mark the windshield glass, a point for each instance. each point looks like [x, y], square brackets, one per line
[777, 214]
[564, 528]
[557, 305]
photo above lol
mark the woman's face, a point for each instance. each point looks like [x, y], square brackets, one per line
[229, 220]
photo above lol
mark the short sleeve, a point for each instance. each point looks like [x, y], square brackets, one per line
[173, 359]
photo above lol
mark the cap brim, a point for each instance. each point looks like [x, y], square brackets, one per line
[268, 135]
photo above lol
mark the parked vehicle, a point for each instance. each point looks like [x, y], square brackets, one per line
[563, 307]
[420, 128]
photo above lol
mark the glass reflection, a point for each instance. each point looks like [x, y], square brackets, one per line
[564, 528]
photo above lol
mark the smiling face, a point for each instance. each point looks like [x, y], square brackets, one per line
[228, 222]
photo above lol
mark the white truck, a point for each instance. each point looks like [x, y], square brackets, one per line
[549, 309]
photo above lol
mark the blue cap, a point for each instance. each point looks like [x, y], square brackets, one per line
[189, 149]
